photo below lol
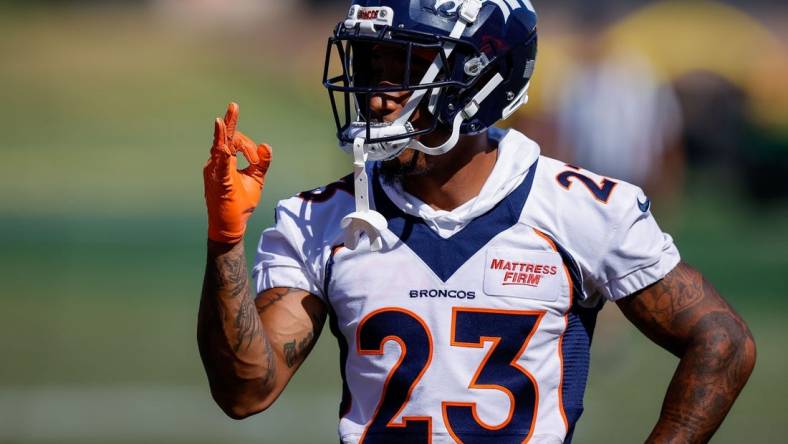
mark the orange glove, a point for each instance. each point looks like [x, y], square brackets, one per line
[231, 194]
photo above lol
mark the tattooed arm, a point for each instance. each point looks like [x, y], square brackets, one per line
[251, 349]
[685, 315]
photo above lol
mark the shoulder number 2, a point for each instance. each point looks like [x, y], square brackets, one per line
[600, 191]
[508, 330]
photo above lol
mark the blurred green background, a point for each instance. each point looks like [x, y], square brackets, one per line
[105, 124]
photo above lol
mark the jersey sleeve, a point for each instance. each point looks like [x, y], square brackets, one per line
[280, 259]
[605, 227]
[638, 253]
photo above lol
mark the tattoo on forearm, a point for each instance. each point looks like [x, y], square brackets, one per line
[709, 378]
[684, 314]
[270, 363]
[242, 358]
[231, 269]
[232, 327]
[247, 324]
[296, 351]
[232, 275]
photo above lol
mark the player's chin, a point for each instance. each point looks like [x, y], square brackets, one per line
[408, 164]
[411, 163]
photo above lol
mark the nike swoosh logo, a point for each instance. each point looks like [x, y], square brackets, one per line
[644, 206]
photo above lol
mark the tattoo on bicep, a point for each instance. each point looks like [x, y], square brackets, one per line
[270, 299]
[665, 310]
[295, 351]
[680, 290]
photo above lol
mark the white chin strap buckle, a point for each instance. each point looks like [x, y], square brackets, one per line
[379, 150]
[363, 220]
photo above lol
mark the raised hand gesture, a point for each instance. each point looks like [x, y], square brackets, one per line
[231, 195]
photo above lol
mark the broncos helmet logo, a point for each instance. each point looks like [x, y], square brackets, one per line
[448, 8]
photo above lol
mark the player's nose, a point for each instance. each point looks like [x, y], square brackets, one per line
[387, 106]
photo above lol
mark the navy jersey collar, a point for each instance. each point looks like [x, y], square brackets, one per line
[446, 256]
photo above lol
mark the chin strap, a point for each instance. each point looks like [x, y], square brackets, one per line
[363, 220]
[468, 112]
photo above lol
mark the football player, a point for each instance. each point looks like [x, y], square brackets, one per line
[460, 271]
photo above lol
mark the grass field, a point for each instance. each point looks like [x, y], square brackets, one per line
[106, 123]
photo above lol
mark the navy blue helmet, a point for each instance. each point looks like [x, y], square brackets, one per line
[468, 62]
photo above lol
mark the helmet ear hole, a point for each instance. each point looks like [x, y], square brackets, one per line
[460, 98]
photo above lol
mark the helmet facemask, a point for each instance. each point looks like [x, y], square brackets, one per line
[429, 68]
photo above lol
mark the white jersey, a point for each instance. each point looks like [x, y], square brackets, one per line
[473, 325]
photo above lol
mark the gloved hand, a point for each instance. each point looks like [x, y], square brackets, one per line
[231, 195]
